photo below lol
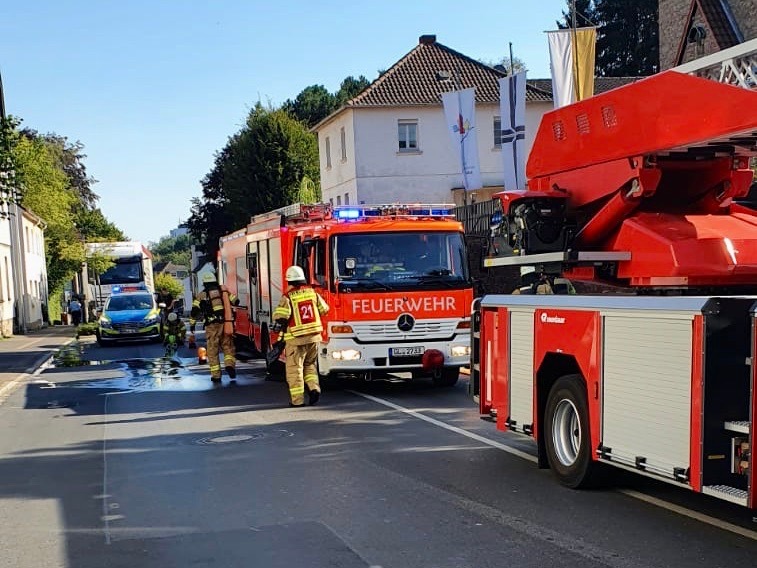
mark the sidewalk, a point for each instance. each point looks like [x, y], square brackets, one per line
[24, 353]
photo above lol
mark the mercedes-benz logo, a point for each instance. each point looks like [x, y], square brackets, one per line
[405, 322]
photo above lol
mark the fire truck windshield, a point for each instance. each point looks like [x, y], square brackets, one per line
[400, 261]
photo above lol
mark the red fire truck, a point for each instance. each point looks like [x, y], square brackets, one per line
[632, 191]
[395, 278]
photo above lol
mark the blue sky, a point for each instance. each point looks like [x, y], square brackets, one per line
[154, 88]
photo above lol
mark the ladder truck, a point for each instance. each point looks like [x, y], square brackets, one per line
[635, 192]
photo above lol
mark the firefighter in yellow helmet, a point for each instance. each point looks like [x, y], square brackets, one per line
[299, 316]
[213, 306]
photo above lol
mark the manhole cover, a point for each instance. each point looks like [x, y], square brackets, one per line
[230, 439]
[239, 437]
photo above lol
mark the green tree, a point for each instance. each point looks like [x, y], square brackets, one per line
[9, 183]
[584, 14]
[94, 227]
[312, 105]
[260, 169]
[627, 35]
[172, 249]
[350, 88]
[46, 192]
[170, 283]
[627, 38]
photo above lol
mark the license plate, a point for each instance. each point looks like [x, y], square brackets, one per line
[129, 331]
[406, 351]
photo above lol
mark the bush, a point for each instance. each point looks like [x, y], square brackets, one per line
[175, 288]
[86, 329]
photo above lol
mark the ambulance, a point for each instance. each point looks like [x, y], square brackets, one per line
[394, 276]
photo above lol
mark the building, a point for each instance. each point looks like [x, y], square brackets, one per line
[690, 29]
[179, 231]
[390, 143]
[7, 292]
[35, 270]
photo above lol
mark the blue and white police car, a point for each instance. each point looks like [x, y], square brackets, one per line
[130, 313]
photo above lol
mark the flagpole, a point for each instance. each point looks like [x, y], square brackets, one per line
[456, 79]
[576, 79]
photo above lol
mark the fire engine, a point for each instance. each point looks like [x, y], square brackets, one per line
[394, 276]
[633, 191]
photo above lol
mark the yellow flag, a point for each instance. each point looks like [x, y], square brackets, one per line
[584, 43]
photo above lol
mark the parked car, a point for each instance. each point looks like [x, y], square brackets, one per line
[129, 315]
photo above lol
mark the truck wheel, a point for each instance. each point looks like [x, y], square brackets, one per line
[447, 378]
[566, 433]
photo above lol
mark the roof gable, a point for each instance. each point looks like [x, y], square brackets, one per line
[718, 18]
[418, 79]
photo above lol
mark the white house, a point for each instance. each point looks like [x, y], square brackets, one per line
[7, 296]
[34, 269]
[390, 143]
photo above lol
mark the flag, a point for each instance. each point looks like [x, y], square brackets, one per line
[512, 108]
[460, 114]
[571, 56]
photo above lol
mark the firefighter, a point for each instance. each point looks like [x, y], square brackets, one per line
[213, 306]
[298, 315]
[175, 329]
[541, 285]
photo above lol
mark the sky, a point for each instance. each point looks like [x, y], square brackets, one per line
[153, 88]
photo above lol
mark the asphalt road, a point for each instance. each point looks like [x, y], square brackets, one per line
[139, 462]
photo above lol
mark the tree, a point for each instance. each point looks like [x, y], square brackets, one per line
[627, 38]
[261, 168]
[94, 227]
[585, 15]
[172, 249]
[350, 88]
[504, 65]
[627, 35]
[47, 193]
[9, 183]
[174, 287]
[312, 105]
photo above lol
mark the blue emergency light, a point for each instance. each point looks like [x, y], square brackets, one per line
[348, 214]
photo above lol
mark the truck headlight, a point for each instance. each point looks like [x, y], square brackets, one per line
[460, 350]
[346, 355]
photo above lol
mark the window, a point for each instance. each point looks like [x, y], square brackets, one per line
[343, 138]
[407, 134]
[28, 244]
[328, 152]
[338, 199]
[346, 198]
[331, 201]
[319, 263]
[498, 132]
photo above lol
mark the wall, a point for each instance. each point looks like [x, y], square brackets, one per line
[339, 179]
[35, 293]
[386, 175]
[7, 296]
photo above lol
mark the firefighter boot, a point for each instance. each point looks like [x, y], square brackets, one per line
[313, 397]
[232, 372]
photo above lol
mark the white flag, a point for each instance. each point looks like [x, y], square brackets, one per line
[571, 57]
[512, 108]
[460, 114]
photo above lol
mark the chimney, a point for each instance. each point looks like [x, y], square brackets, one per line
[428, 39]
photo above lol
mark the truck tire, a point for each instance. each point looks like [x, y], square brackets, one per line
[447, 378]
[566, 433]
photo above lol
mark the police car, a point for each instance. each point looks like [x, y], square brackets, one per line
[129, 313]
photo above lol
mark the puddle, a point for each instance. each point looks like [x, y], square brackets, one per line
[159, 375]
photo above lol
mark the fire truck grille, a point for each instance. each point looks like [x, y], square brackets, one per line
[388, 331]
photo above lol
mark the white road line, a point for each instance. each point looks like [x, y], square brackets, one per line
[7, 389]
[672, 507]
[106, 508]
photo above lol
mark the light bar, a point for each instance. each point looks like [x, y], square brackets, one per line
[394, 210]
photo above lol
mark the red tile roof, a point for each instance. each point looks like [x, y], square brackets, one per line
[419, 79]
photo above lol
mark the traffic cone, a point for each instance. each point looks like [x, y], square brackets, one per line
[202, 355]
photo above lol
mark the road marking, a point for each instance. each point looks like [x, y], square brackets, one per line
[672, 507]
[106, 517]
[7, 389]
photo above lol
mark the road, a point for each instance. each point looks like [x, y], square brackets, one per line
[126, 460]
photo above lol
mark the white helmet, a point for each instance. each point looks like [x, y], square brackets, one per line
[208, 278]
[524, 270]
[172, 317]
[295, 274]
